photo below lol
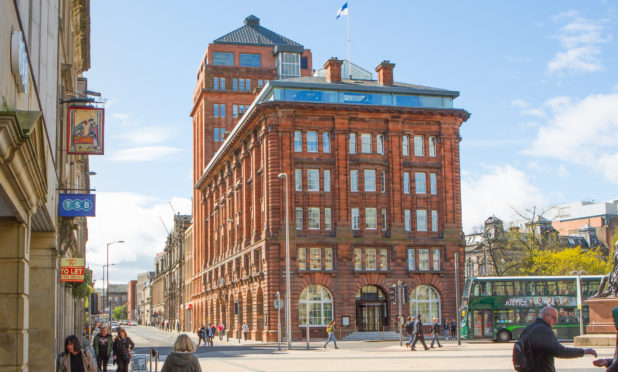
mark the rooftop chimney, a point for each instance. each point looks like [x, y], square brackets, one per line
[333, 70]
[385, 73]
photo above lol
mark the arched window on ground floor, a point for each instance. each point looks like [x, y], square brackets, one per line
[425, 300]
[317, 303]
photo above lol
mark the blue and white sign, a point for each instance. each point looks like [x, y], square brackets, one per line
[76, 205]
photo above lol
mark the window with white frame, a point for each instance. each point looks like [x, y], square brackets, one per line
[313, 180]
[358, 259]
[411, 259]
[366, 143]
[352, 140]
[383, 259]
[419, 148]
[328, 258]
[235, 84]
[299, 218]
[215, 110]
[423, 259]
[260, 83]
[312, 141]
[298, 141]
[302, 259]
[298, 179]
[407, 221]
[383, 218]
[370, 259]
[288, 65]
[406, 182]
[234, 111]
[315, 304]
[241, 84]
[383, 181]
[326, 142]
[436, 259]
[315, 259]
[370, 180]
[425, 300]
[314, 218]
[432, 146]
[405, 145]
[434, 220]
[355, 219]
[326, 180]
[420, 183]
[380, 144]
[215, 83]
[421, 220]
[371, 219]
[248, 84]
[327, 219]
[354, 180]
[433, 184]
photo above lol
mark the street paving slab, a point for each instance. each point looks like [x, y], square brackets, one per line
[360, 356]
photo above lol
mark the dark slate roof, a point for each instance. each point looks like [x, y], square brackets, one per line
[254, 34]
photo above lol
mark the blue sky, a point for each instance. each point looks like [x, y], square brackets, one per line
[539, 78]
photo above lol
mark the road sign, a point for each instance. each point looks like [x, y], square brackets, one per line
[278, 304]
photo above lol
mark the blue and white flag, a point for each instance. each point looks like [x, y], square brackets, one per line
[343, 10]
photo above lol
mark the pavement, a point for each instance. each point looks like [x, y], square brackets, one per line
[351, 356]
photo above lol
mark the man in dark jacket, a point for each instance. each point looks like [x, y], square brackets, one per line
[102, 345]
[410, 330]
[418, 333]
[544, 345]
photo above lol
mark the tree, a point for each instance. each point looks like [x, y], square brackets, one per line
[120, 312]
[565, 261]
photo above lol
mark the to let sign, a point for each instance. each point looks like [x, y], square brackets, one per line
[72, 270]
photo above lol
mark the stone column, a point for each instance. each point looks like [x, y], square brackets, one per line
[14, 295]
[43, 314]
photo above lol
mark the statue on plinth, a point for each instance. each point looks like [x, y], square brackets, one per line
[610, 279]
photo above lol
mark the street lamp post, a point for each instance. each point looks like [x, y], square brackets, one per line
[579, 299]
[107, 287]
[288, 318]
[105, 294]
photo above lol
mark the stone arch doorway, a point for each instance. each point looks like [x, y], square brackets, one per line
[371, 308]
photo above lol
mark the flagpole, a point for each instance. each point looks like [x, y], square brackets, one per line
[349, 61]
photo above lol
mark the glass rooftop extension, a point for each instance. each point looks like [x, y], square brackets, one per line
[359, 94]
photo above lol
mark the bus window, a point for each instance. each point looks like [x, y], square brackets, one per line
[518, 288]
[552, 288]
[567, 287]
[499, 289]
[568, 315]
[541, 288]
[477, 289]
[509, 288]
[589, 288]
[530, 290]
[504, 316]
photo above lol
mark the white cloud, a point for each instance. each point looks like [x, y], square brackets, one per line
[581, 132]
[145, 153]
[136, 219]
[580, 39]
[148, 135]
[520, 103]
[498, 192]
[127, 120]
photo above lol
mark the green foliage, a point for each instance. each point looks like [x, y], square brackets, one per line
[565, 261]
[83, 290]
[119, 312]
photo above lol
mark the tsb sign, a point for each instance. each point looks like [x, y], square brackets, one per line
[76, 205]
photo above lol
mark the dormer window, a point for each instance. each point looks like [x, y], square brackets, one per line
[288, 65]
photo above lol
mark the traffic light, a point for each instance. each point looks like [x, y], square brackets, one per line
[406, 293]
[392, 293]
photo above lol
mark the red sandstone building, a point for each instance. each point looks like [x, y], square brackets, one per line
[374, 188]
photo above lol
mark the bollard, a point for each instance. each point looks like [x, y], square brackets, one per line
[307, 327]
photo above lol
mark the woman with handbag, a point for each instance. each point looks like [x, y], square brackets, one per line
[122, 350]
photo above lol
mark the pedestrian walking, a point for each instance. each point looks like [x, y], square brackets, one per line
[221, 329]
[418, 333]
[435, 333]
[245, 330]
[74, 359]
[103, 345]
[331, 334]
[122, 350]
[453, 329]
[201, 335]
[182, 358]
[410, 330]
[211, 334]
[543, 345]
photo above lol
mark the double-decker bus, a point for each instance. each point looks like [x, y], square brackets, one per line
[499, 308]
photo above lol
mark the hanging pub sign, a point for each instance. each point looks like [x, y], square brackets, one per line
[76, 205]
[72, 270]
[85, 133]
